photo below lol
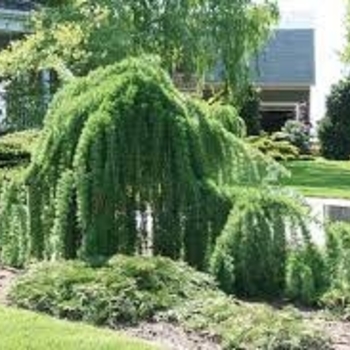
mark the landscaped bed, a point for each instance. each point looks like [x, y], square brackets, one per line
[22, 330]
[129, 291]
[320, 178]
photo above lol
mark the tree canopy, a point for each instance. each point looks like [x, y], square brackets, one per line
[77, 36]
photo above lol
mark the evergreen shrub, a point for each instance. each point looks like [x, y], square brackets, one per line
[334, 128]
[122, 290]
[337, 296]
[296, 134]
[306, 275]
[280, 150]
[250, 111]
[16, 148]
[250, 257]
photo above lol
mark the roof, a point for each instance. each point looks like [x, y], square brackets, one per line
[287, 59]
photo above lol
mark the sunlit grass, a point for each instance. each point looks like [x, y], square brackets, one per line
[320, 178]
[21, 330]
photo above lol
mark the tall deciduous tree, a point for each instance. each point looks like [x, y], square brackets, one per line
[76, 36]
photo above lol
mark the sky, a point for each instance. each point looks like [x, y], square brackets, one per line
[327, 17]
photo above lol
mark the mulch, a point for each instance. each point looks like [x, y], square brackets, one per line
[172, 337]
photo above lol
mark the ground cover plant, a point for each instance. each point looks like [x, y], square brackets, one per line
[127, 290]
[22, 330]
[17, 147]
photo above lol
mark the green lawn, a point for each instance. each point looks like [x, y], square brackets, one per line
[21, 330]
[320, 178]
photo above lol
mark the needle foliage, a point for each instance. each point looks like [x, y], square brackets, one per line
[127, 164]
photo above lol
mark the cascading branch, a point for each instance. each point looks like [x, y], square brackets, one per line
[128, 164]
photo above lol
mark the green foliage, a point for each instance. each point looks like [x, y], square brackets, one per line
[229, 118]
[296, 134]
[15, 154]
[14, 232]
[305, 275]
[337, 296]
[128, 164]
[250, 112]
[250, 256]
[334, 129]
[27, 97]
[75, 37]
[16, 148]
[124, 290]
[132, 289]
[243, 325]
[276, 149]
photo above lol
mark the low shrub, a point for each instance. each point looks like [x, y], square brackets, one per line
[276, 149]
[125, 290]
[131, 289]
[16, 148]
[242, 325]
[297, 135]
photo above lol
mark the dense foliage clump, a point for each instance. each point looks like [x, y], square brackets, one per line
[337, 296]
[16, 148]
[306, 275]
[280, 150]
[128, 164]
[296, 133]
[128, 290]
[122, 290]
[250, 111]
[334, 129]
[264, 227]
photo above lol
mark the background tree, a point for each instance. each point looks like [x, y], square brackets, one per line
[334, 129]
[73, 37]
[250, 111]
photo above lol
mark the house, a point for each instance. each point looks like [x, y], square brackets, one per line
[284, 71]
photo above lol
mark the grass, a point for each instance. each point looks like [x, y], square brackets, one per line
[22, 330]
[320, 178]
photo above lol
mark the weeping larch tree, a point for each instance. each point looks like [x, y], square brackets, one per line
[128, 164]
